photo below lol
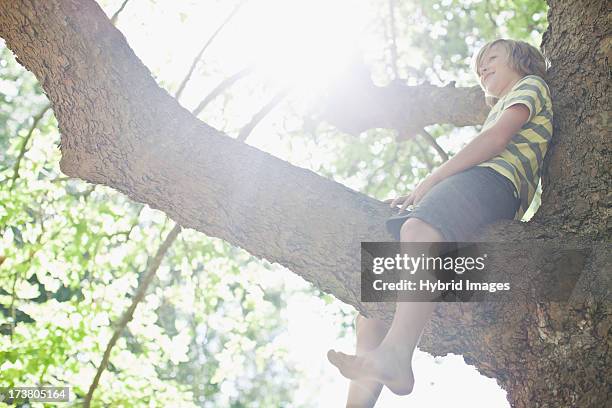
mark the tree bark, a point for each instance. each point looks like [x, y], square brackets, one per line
[355, 104]
[122, 130]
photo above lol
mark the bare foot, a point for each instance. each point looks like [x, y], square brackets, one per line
[384, 365]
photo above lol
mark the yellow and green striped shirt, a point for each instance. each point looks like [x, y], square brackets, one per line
[521, 161]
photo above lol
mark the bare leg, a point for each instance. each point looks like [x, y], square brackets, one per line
[363, 393]
[391, 362]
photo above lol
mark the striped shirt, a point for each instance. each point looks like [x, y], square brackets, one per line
[521, 161]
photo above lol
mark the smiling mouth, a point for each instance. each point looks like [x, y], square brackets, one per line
[487, 76]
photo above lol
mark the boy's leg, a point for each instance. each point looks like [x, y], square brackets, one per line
[370, 332]
[391, 362]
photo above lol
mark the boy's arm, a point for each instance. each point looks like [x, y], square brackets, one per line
[487, 144]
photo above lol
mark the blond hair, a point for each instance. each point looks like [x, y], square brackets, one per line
[523, 58]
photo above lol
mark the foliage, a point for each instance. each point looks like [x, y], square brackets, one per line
[207, 333]
[72, 256]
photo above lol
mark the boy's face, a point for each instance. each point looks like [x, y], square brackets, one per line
[495, 73]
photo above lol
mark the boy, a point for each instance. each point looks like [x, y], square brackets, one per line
[493, 177]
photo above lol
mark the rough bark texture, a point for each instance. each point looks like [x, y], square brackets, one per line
[120, 129]
[579, 45]
[356, 104]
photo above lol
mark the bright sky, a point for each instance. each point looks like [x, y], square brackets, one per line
[286, 39]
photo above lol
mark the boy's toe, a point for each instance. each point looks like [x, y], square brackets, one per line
[344, 362]
[336, 358]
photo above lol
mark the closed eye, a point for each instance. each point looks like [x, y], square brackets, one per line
[490, 58]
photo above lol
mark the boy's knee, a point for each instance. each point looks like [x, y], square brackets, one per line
[358, 321]
[416, 230]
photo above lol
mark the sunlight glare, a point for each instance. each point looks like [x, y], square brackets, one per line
[302, 44]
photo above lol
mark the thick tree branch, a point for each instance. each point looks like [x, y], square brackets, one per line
[355, 104]
[156, 152]
[154, 264]
[120, 129]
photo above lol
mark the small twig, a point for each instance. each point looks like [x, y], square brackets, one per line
[276, 99]
[430, 139]
[197, 59]
[12, 306]
[393, 35]
[376, 171]
[129, 313]
[42, 375]
[226, 83]
[385, 163]
[426, 157]
[85, 193]
[125, 233]
[116, 15]
[437, 73]
[490, 16]
[35, 248]
[400, 184]
[23, 149]
[393, 160]
[60, 179]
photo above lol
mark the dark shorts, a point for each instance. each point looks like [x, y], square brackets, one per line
[460, 205]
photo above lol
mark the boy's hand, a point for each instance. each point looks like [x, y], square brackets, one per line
[414, 197]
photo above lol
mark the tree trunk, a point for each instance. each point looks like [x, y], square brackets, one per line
[120, 129]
